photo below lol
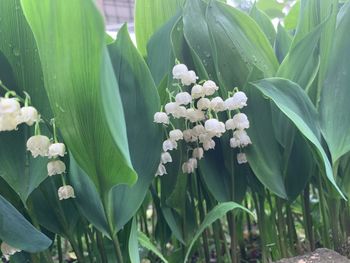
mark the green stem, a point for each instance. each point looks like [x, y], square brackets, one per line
[101, 247]
[59, 249]
[88, 247]
[325, 225]
[76, 248]
[307, 217]
[280, 227]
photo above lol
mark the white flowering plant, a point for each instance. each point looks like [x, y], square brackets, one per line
[218, 137]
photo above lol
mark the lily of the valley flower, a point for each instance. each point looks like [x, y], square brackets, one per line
[57, 149]
[161, 170]
[66, 192]
[169, 145]
[28, 115]
[241, 158]
[56, 167]
[161, 117]
[38, 145]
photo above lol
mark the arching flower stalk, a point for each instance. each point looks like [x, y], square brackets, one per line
[198, 110]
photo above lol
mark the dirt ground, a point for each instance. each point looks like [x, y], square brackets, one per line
[321, 255]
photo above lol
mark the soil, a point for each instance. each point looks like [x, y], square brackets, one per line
[321, 255]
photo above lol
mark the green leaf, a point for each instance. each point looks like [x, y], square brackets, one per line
[133, 243]
[71, 45]
[216, 213]
[140, 101]
[146, 243]
[283, 42]
[296, 105]
[334, 106]
[16, 231]
[291, 19]
[238, 45]
[150, 16]
[264, 22]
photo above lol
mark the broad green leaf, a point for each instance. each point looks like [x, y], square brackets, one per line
[271, 7]
[296, 105]
[71, 39]
[264, 154]
[16, 231]
[196, 33]
[150, 16]
[133, 243]
[238, 45]
[140, 101]
[282, 43]
[160, 57]
[334, 106]
[291, 19]
[216, 213]
[264, 22]
[146, 243]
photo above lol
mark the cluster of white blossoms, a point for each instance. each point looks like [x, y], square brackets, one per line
[199, 109]
[12, 115]
[8, 251]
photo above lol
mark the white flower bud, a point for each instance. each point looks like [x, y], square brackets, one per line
[166, 158]
[210, 87]
[56, 167]
[241, 121]
[209, 144]
[198, 153]
[38, 145]
[161, 170]
[238, 101]
[242, 137]
[171, 107]
[241, 158]
[180, 112]
[66, 192]
[183, 98]
[194, 115]
[175, 135]
[217, 104]
[8, 122]
[203, 104]
[161, 117]
[28, 115]
[169, 145]
[193, 162]
[7, 250]
[197, 92]
[189, 166]
[57, 149]
[9, 106]
[189, 78]
[230, 124]
[198, 130]
[179, 70]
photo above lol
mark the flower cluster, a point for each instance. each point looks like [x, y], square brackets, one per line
[12, 115]
[200, 108]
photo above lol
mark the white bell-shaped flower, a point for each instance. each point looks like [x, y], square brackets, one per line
[179, 70]
[194, 115]
[187, 135]
[171, 107]
[9, 106]
[8, 250]
[214, 127]
[240, 121]
[241, 158]
[189, 166]
[56, 167]
[210, 87]
[8, 122]
[38, 145]
[183, 98]
[209, 144]
[189, 78]
[217, 104]
[242, 137]
[197, 92]
[204, 137]
[66, 192]
[198, 129]
[230, 124]
[28, 115]
[180, 112]
[169, 145]
[57, 149]
[203, 104]
[166, 158]
[161, 117]
[193, 162]
[161, 170]
[175, 135]
[198, 153]
[234, 143]
[238, 101]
